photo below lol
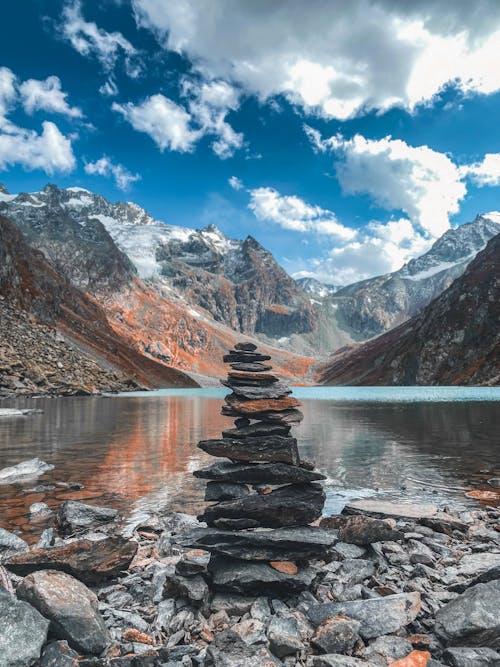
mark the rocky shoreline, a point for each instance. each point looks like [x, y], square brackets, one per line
[401, 585]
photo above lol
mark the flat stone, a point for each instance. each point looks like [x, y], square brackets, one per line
[284, 636]
[70, 606]
[59, 654]
[264, 473]
[362, 530]
[74, 516]
[378, 616]
[254, 407]
[244, 357]
[194, 561]
[23, 632]
[233, 605]
[248, 577]
[87, 560]
[24, 471]
[277, 390]
[473, 618]
[250, 367]
[268, 449]
[241, 378]
[336, 635]
[299, 504]
[225, 491]
[383, 509]
[295, 544]
[229, 650]
[472, 657]
[246, 346]
[256, 429]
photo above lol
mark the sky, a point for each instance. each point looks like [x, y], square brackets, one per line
[344, 136]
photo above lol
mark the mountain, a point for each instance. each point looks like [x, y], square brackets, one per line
[316, 288]
[454, 340]
[54, 338]
[372, 306]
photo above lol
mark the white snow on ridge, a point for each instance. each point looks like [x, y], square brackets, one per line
[494, 216]
[422, 275]
[4, 197]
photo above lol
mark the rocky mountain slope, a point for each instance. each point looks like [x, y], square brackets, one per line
[454, 340]
[316, 288]
[373, 306]
[55, 338]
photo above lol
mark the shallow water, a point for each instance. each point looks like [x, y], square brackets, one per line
[137, 451]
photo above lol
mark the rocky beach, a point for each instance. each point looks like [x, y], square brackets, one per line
[263, 576]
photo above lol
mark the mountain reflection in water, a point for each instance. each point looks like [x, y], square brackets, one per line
[134, 452]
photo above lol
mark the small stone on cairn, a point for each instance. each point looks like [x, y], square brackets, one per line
[258, 531]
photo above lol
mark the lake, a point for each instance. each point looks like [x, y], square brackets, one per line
[138, 450]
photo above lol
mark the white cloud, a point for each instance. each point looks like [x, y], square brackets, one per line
[236, 183]
[332, 57]
[47, 96]
[90, 40]
[105, 167]
[109, 88]
[50, 150]
[291, 212]
[423, 183]
[7, 90]
[174, 127]
[167, 123]
[486, 172]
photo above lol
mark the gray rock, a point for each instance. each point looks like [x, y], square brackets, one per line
[37, 509]
[193, 588]
[47, 539]
[349, 550]
[472, 618]
[263, 473]
[254, 391]
[336, 635]
[256, 429]
[300, 543]
[472, 657]
[193, 562]
[229, 650]
[23, 632]
[338, 660]
[287, 506]
[10, 544]
[233, 605]
[381, 509]
[59, 654]
[225, 491]
[70, 606]
[494, 482]
[475, 564]
[385, 650]
[362, 530]
[24, 471]
[266, 449]
[251, 630]
[378, 616]
[73, 516]
[284, 636]
[249, 577]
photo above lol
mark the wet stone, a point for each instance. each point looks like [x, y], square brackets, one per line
[74, 516]
[276, 390]
[266, 473]
[269, 449]
[217, 491]
[256, 429]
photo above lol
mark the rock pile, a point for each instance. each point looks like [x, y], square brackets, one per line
[265, 495]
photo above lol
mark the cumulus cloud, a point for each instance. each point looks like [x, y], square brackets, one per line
[335, 58]
[8, 92]
[105, 167]
[291, 212]
[179, 128]
[486, 172]
[167, 123]
[89, 40]
[47, 96]
[50, 150]
[425, 184]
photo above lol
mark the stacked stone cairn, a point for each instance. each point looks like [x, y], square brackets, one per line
[259, 535]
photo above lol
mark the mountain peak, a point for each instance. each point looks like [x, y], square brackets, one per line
[3, 189]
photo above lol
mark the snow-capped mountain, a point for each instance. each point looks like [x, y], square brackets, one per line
[316, 288]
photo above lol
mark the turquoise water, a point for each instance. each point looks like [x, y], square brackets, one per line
[137, 451]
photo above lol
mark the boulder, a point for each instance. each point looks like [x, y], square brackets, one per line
[73, 516]
[247, 577]
[225, 491]
[23, 632]
[268, 449]
[473, 618]
[362, 530]
[70, 606]
[265, 473]
[288, 506]
[10, 543]
[471, 657]
[336, 635]
[295, 544]
[87, 560]
[377, 616]
[24, 471]
[229, 650]
[284, 636]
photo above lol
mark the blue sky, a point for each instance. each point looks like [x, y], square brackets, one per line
[345, 137]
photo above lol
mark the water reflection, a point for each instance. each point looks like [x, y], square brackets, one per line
[123, 449]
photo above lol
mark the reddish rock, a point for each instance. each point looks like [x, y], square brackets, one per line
[413, 659]
[263, 405]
